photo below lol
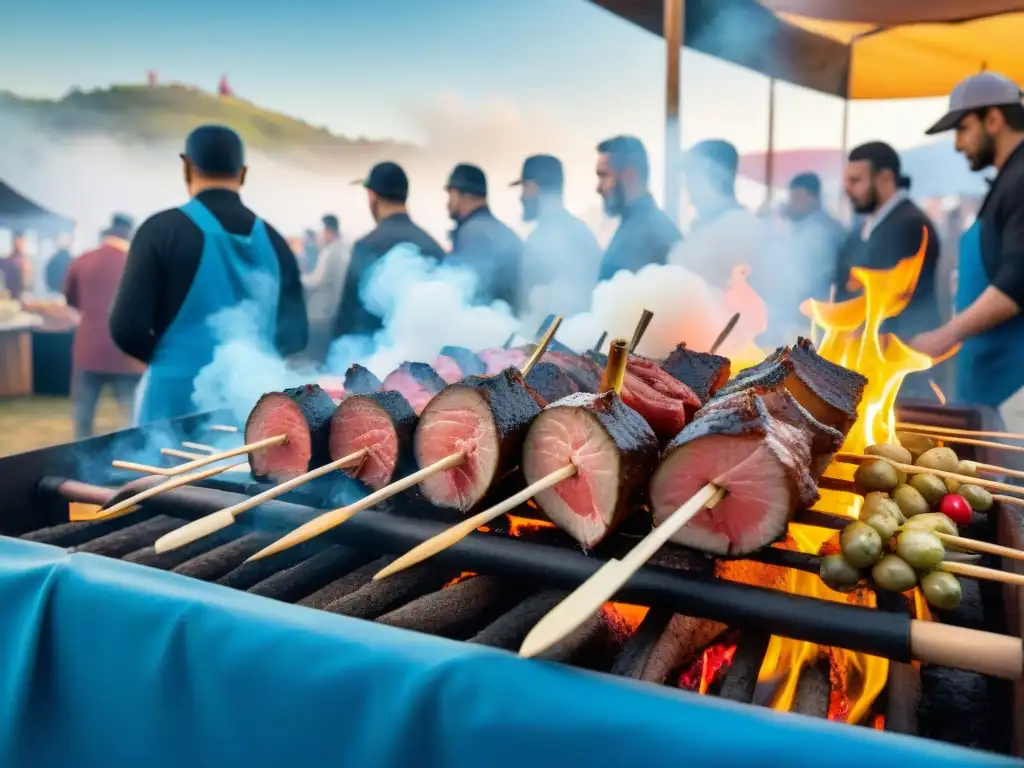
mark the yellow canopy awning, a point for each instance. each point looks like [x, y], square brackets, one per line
[915, 48]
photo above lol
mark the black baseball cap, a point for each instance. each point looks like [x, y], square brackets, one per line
[469, 179]
[543, 170]
[215, 150]
[985, 89]
[388, 180]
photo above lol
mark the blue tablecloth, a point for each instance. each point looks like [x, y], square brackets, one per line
[109, 664]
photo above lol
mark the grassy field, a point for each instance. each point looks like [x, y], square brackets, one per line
[27, 423]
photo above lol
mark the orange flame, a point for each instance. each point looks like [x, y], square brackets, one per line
[852, 339]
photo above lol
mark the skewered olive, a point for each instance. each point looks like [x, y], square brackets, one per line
[884, 524]
[943, 458]
[910, 501]
[891, 451]
[877, 475]
[952, 486]
[878, 503]
[942, 590]
[930, 487]
[916, 444]
[893, 574]
[969, 468]
[921, 549]
[979, 499]
[933, 521]
[861, 544]
[838, 574]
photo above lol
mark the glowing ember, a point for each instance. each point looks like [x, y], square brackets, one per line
[699, 677]
[631, 615]
[516, 525]
[461, 577]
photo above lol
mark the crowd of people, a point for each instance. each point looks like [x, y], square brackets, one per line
[146, 296]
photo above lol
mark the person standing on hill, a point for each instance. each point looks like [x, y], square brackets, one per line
[387, 190]
[188, 266]
[89, 287]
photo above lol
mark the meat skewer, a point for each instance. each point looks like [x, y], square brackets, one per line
[467, 456]
[382, 423]
[303, 416]
[702, 372]
[954, 439]
[640, 330]
[222, 428]
[720, 340]
[200, 447]
[939, 431]
[174, 453]
[600, 342]
[129, 504]
[204, 461]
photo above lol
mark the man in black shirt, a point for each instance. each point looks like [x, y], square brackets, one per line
[187, 266]
[58, 265]
[645, 234]
[387, 188]
[986, 112]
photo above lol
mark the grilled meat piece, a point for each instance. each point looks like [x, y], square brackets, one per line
[498, 359]
[582, 371]
[614, 450]
[360, 381]
[702, 372]
[304, 415]
[383, 423]
[484, 416]
[467, 360]
[417, 382]
[550, 382]
[761, 460]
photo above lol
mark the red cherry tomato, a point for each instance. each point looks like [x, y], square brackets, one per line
[956, 508]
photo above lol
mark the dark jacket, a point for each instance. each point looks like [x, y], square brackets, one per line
[645, 236]
[1002, 228]
[352, 317]
[493, 251]
[57, 270]
[894, 238]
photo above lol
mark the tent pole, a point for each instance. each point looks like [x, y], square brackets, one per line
[769, 156]
[675, 13]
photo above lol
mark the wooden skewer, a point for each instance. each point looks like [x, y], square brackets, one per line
[200, 447]
[183, 468]
[1014, 500]
[978, 572]
[967, 441]
[509, 340]
[640, 330]
[222, 428]
[911, 469]
[588, 598]
[904, 426]
[221, 519]
[336, 517]
[458, 532]
[992, 469]
[175, 453]
[975, 545]
[600, 342]
[542, 345]
[725, 333]
[144, 469]
[123, 507]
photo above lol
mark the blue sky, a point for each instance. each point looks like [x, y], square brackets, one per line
[361, 66]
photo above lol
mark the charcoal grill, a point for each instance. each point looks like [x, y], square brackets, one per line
[489, 590]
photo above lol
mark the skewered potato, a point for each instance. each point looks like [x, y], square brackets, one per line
[885, 525]
[942, 590]
[930, 487]
[933, 521]
[968, 468]
[916, 444]
[893, 574]
[944, 459]
[921, 549]
[878, 502]
[877, 475]
[910, 501]
[861, 545]
[838, 574]
[890, 451]
[979, 499]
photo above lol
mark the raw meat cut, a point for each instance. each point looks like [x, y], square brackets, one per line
[304, 415]
[381, 422]
[497, 359]
[614, 451]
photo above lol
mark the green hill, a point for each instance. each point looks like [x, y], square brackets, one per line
[140, 113]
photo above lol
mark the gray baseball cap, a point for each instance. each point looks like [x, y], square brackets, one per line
[985, 89]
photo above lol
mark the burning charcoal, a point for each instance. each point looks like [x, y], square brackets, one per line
[359, 381]
[217, 562]
[683, 638]
[120, 543]
[634, 656]
[550, 382]
[813, 691]
[248, 575]
[308, 576]
[594, 644]
[965, 708]
[702, 372]
[379, 597]
[510, 629]
[903, 696]
[345, 585]
[740, 680]
[304, 415]
[73, 534]
[382, 423]
[165, 561]
[456, 611]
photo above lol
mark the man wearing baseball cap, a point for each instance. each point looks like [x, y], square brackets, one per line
[561, 256]
[187, 265]
[387, 190]
[481, 242]
[987, 114]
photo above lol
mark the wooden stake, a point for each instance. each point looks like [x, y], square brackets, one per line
[182, 468]
[588, 598]
[912, 469]
[174, 482]
[542, 345]
[725, 333]
[336, 517]
[615, 367]
[144, 469]
[200, 447]
[977, 572]
[992, 469]
[222, 428]
[600, 342]
[458, 532]
[974, 545]
[216, 521]
[640, 330]
[967, 441]
[906, 426]
[175, 453]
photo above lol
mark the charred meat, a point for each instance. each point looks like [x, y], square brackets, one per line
[303, 414]
[381, 422]
[467, 360]
[614, 451]
[360, 381]
[550, 382]
[702, 372]
[417, 382]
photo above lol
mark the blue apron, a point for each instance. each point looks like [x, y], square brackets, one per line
[232, 269]
[989, 368]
